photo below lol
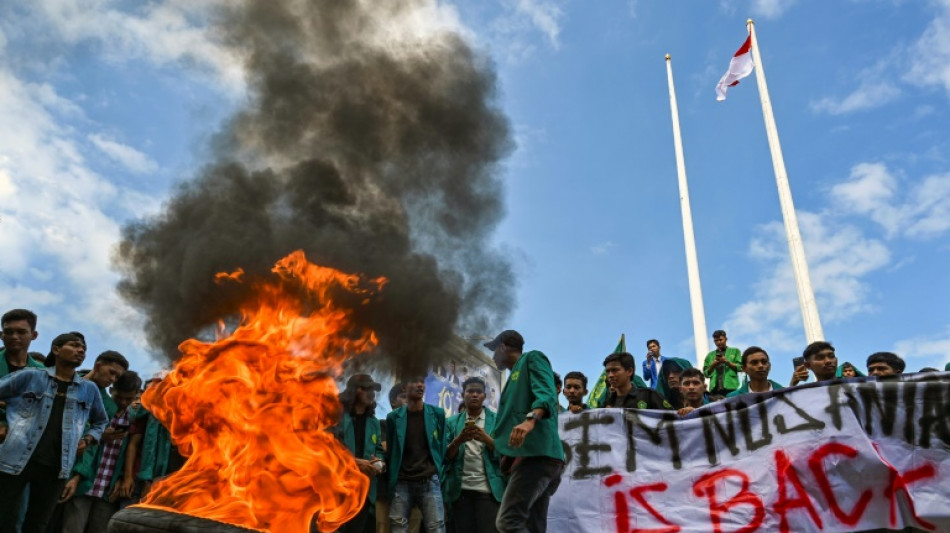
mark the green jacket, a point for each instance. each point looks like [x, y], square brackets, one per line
[856, 371]
[87, 467]
[731, 377]
[530, 386]
[744, 389]
[156, 447]
[372, 444]
[5, 368]
[396, 439]
[671, 364]
[452, 487]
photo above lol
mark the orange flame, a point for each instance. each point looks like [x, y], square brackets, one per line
[251, 411]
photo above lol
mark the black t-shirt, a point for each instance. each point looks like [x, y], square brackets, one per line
[417, 464]
[638, 398]
[49, 450]
[359, 432]
[14, 368]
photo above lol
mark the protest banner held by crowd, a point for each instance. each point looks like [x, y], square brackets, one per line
[844, 452]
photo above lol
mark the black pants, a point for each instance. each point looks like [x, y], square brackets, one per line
[525, 505]
[475, 512]
[45, 490]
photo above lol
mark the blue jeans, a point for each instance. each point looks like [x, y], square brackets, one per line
[427, 496]
[524, 507]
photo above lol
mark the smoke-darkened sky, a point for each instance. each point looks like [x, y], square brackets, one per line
[372, 153]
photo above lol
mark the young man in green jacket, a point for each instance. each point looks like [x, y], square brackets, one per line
[756, 365]
[473, 485]
[526, 434]
[722, 366]
[360, 432]
[415, 436]
[18, 332]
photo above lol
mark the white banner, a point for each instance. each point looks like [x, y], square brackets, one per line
[851, 456]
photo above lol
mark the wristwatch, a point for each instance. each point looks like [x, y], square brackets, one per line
[531, 416]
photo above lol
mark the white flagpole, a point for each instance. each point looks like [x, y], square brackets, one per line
[692, 264]
[806, 295]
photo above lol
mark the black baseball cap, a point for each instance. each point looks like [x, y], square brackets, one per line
[509, 336]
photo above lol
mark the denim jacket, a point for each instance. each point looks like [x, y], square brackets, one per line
[29, 394]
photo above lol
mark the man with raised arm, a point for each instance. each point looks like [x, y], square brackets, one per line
[526, 434]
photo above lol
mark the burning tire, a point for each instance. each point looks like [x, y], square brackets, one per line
[147, 520]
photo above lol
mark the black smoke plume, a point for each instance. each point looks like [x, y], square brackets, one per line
[370, 144]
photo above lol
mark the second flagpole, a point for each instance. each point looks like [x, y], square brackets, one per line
[692, 263]
[806, 295]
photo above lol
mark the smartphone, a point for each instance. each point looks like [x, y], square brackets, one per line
[798, 361]
[469, 423]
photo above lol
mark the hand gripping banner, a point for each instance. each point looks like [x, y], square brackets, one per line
[847, 455]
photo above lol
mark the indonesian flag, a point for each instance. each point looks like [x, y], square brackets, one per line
[740, 67]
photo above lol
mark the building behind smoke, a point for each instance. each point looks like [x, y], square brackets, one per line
[462, 359]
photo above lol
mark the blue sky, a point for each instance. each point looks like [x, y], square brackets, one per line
[105, 105]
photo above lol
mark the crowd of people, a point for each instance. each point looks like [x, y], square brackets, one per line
[482, 471]
[76, 446]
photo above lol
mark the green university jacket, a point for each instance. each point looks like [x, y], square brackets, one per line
[530, 386]
[396, 438]
[452, 486]
[731, 379]
[744, 389]
[372, 444]
[5, 368]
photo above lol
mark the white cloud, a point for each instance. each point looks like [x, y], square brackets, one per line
[125, 155]
[545, 16]
[161, 32]
[768, 9]
[771, 9]
[602, 248]
[513, 35]
[632, 6]
[869, 95]
[930, 55]
[839, 257]
[929, 65]
[922, 211]
[53, 215]
[933, 347]
[877, 86]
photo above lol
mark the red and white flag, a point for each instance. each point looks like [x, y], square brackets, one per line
[740, 67]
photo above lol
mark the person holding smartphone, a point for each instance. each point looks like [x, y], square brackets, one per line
[722, 366]
[473, 485]
[95, 475]
[652, 363]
